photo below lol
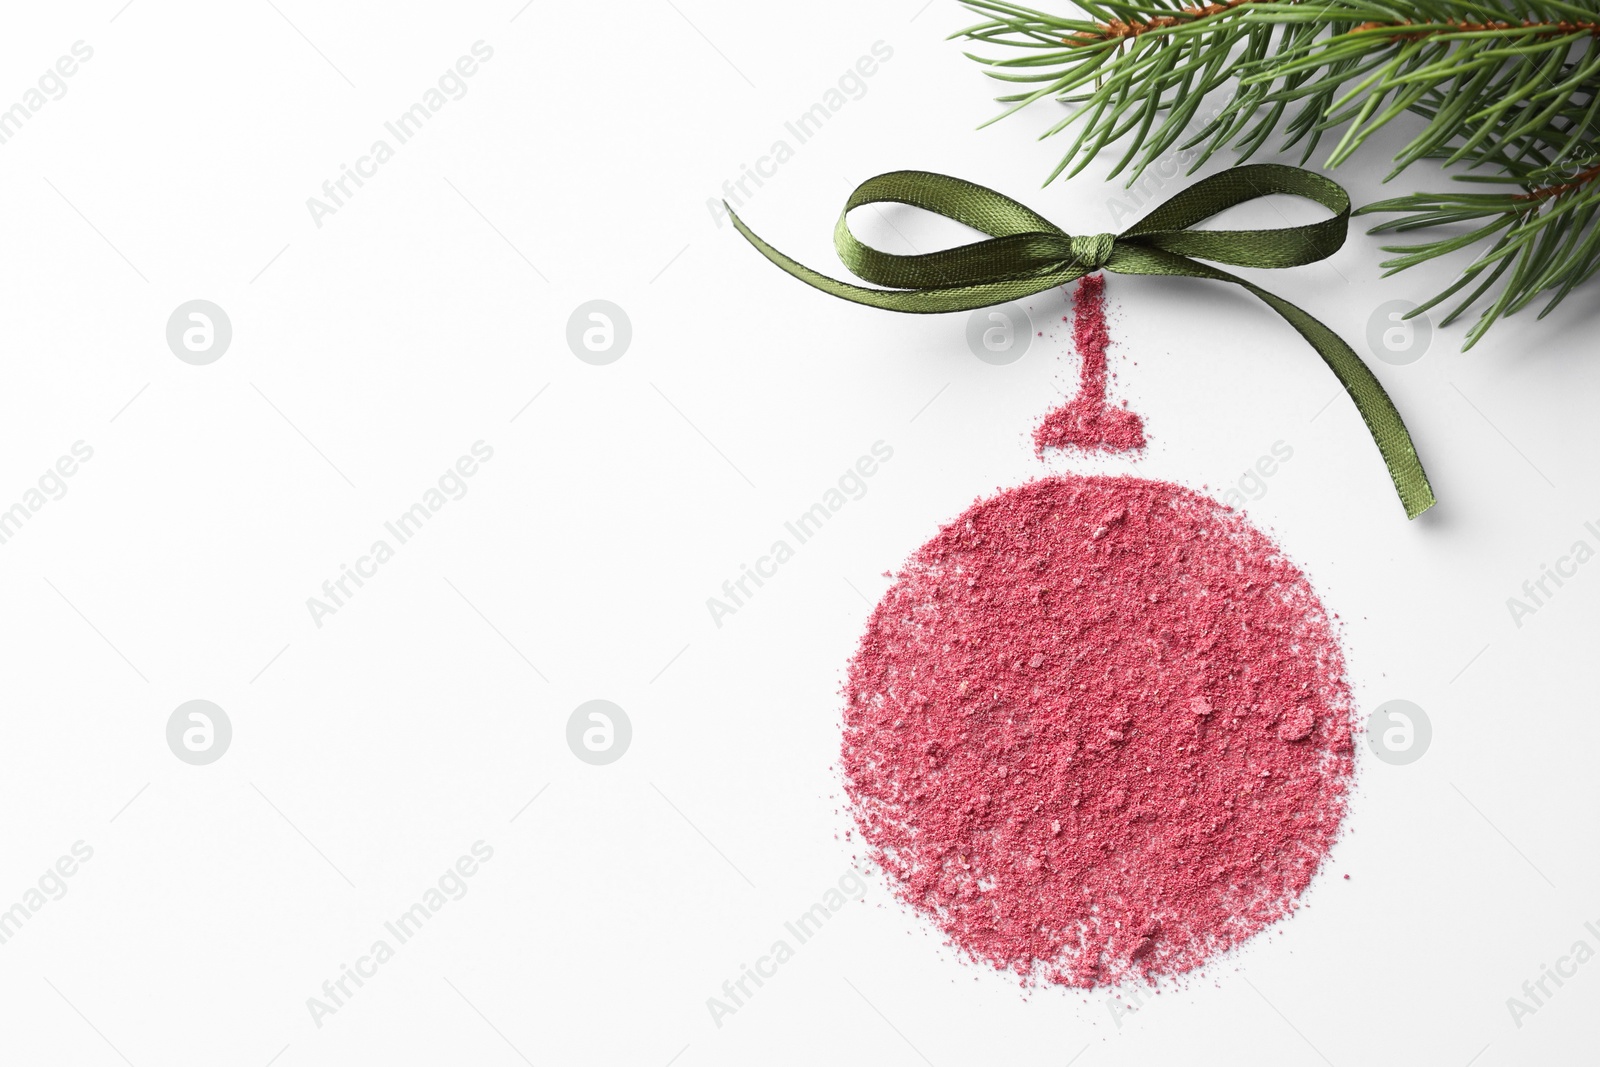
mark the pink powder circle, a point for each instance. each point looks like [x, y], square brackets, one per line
[1098, 728]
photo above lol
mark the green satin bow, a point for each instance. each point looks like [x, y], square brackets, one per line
[1028, 254]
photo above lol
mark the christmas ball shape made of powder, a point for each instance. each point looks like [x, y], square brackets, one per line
[1098, 728]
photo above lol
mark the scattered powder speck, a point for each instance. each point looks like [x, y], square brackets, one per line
[1098, 729]
[1087, 421]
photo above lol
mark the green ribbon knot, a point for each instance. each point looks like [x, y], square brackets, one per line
[1094, 251]
[1027, 254]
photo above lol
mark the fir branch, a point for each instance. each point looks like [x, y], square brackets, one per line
[1544, 238]
[1508, 91]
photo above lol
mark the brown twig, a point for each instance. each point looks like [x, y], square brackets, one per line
[1116, 29]
[1577, 181]
[1561, 28]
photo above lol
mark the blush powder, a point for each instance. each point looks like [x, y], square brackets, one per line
[1098, 729]
[1087, 421]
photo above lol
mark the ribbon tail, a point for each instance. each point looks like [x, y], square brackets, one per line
[1377, 410]
[925, 301]
[1372, 401]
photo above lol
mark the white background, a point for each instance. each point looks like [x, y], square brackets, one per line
[369, 753]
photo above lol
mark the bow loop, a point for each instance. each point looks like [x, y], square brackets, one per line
[1025, 254]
